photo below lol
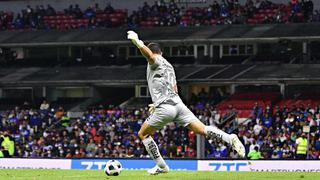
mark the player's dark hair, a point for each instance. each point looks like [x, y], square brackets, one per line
[155, 48]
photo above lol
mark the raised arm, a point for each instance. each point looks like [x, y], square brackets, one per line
[145, 51]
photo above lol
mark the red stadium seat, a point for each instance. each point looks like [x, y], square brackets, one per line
[70, 17]
[122, 11]
[72, 21]
[213, 22]
[244, 113]
[268, 11]
[79, 24]
[105, 16]
[99, 20]
[150, 23]
[85, 21]
[155, 19]
[113, 15]
[120, 15]
[65, 21]
[99, 12]
[52, 22]
[285, 18]
[186, 18]
[64, 17]
[262, 11]
[52, 17]
[252, 21]
[115, 21]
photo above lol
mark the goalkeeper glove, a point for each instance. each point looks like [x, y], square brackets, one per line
[152, 108]
[133, 36]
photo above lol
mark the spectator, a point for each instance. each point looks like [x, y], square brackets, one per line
[255, 154]
[314, 154]
[234, 155]
[253, 144]
[69, 10]
[287, 152]
[191, 153]
[65, 120]
[317, 144]
[275, 155]
[109, 9]
[1, 152]
[7, 145]
[257, 128]
[59, 113]
[93, 23]
[267, 120]
[50, 11]
[77, 12]
[290, 118]
[89, 12]
[44, 105]
[96, 8]
[172, 149]
[302, 147]
[18, 23]
[316, 16]
[91, 147]
[257, 111]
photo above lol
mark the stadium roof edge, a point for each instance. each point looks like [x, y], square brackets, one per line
[204, 34]
[124, 76]
[266, 81]
[218, 40]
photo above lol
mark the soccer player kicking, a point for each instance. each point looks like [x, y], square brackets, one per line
[168, 107]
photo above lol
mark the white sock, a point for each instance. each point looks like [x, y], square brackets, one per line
[215, 133]
[153, 151]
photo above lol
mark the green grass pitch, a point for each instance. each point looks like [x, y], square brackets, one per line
[32, 174]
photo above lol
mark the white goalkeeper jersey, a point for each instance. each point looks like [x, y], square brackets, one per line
[161, 81]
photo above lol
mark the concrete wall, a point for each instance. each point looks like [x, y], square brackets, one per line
[17, 5]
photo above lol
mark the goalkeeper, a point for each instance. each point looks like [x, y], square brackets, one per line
[168, 107]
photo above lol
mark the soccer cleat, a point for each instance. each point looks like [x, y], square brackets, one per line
[237, 145]
[157, 170]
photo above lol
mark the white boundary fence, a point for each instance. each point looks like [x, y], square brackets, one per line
[200, 165]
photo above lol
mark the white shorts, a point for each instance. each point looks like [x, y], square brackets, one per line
[166, 113]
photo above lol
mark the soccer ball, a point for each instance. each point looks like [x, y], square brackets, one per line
[113, 168]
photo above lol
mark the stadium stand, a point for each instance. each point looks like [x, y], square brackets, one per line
[101, 132]
[112, 132]
[160, 14]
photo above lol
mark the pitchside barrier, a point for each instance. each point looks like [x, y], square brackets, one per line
[135, 164]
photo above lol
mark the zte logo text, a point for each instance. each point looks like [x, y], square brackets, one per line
[93, 165]
[227, 166]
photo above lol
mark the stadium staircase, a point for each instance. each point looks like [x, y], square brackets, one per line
[18, 74]
[136, 102]
[82, 106]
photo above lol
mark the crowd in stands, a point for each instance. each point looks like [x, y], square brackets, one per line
[101, 132]
[112, 132]
[161, 14]
[272, 130]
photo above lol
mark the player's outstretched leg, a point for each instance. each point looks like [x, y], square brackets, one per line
[215, 133]
[145, 135]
